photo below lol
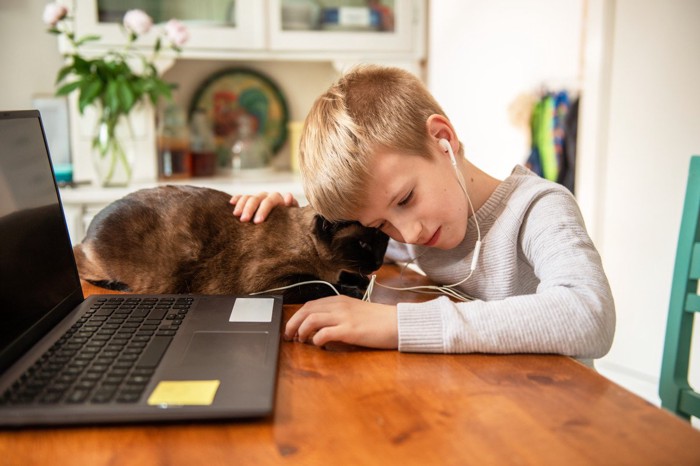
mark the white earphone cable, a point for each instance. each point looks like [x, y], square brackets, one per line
[442, 289]
[448, 290]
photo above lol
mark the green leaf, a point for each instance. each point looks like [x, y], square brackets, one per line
[63, 72]
[126, 95]
[112, 96]
[81, 65]
[89, 91]
[137, 87]
[164, 88]
[68, 88]
[85, 39]
[155, 88]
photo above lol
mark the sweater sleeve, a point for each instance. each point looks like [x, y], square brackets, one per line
[570, 313]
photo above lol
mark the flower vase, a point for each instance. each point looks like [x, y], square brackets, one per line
[113, 152]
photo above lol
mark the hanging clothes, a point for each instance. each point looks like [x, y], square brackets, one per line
[553, 130]
[567, 176]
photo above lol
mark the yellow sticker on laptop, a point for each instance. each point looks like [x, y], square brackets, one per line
[184, 393]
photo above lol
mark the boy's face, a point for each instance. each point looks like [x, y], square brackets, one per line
[416, 200]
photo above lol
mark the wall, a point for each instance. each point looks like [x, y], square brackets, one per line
[654, 127]
[638, 65]
[486, 57]
[29, 55]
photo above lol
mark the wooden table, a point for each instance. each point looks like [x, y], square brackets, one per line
[357, 407]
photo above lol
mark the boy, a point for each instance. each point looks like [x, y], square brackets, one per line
[378, 149]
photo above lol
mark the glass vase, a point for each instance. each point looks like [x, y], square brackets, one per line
[113, 152]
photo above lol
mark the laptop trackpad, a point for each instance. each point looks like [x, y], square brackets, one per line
[236, 348]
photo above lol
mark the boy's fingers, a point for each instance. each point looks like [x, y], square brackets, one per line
[264, 210]
[241, 203]
[251, 205]
[271, 201]
[289, 200]
[238, 202]
[258, 207]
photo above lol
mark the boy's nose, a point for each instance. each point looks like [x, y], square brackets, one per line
[410, 232]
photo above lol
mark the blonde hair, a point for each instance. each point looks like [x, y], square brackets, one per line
[369, 109]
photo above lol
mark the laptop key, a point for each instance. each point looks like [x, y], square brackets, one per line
[77, 396]
[129, 396]
[157, 314]
[154, 351]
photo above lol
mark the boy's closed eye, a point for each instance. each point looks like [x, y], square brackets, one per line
[402, 203]
[406, 199]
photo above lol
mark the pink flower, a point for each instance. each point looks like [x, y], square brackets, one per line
[177, 32]
[137, 21]
[53, 13]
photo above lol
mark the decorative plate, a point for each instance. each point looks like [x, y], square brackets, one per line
[230, 93]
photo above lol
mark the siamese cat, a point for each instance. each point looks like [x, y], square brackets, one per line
[185, 239]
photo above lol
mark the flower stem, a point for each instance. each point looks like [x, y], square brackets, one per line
[107, 144]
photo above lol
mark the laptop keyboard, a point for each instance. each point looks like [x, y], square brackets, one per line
[109, 355]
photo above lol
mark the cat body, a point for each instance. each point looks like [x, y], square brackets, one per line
[185, 239]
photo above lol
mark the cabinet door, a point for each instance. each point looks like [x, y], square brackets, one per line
[213, 24]
[364, 26]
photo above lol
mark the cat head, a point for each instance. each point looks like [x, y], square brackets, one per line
[355, 248]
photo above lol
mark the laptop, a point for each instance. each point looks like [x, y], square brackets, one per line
[118, 358]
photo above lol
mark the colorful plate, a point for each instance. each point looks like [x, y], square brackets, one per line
[230, 93]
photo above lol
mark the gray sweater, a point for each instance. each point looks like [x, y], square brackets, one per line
[539, 283]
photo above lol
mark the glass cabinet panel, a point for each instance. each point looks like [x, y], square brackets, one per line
[343, 25]
[218, 28]
[338, 15]
[213, 24]
[211, 12]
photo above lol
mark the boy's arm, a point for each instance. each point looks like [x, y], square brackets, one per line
[257, 207]
[569, 310]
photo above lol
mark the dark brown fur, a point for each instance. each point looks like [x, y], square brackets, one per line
[185, 239]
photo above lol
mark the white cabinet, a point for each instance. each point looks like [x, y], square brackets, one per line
[336, 30]
[391, 29]
[215, 25]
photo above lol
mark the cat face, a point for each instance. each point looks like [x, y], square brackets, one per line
[357, 249]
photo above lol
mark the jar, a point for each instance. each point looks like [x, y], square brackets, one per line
[173, 142]
[202, 145]
[249, 150]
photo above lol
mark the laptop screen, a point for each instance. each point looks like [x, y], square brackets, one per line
[38, 278]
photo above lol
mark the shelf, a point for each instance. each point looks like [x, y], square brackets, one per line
[251, 183]
[81, 203]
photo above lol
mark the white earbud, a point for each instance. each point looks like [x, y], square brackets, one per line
[445, 144]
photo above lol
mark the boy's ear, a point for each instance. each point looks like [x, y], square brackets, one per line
[440, 127]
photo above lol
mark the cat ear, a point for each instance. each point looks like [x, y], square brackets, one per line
[323, 229]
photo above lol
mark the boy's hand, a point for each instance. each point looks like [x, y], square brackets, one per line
[260, 205]
[347, 320]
